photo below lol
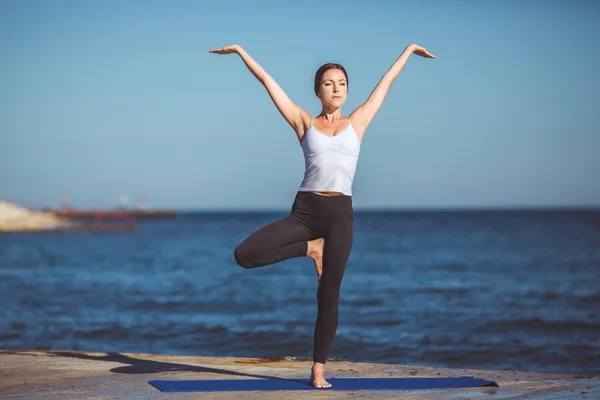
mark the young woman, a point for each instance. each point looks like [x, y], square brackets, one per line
[320, 222]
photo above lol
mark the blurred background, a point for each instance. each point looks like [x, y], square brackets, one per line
[477, 227]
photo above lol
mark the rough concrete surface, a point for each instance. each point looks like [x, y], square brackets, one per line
[62, 375]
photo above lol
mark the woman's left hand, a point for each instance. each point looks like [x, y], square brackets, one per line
[234, 48]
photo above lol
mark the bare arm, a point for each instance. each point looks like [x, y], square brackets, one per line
[364, 114]
[294, 115]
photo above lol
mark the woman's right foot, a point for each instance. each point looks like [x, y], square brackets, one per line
[315, 251]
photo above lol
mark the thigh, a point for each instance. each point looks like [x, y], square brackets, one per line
[338, 244]
[285, 231]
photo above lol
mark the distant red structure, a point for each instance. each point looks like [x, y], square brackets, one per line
[120, 213]
[113, 214]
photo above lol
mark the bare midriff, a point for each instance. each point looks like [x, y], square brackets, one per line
[329, 193]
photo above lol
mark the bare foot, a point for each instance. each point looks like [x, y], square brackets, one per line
[316, 376]
[315, 251]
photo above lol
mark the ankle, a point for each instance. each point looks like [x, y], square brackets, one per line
[318, 367]
[310, 247]
[313, 246]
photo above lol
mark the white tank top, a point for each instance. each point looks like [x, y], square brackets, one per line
[330, 161]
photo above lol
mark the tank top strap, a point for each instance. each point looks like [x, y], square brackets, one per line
[310, 126]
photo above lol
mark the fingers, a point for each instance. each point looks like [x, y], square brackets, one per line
[222, 50]
[226, 50]
[424, 53]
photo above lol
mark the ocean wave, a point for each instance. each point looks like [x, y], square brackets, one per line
[536, 324]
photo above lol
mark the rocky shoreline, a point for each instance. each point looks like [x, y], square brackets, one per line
[16, 219]
[19, 219]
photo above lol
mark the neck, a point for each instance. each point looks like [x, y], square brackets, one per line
[331, 114]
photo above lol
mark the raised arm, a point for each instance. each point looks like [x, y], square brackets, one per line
[294, 115]
[364, 114]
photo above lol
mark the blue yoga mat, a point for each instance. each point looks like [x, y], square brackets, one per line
[232, 385]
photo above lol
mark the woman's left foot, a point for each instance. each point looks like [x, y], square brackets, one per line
[316, 377]
[319, 383]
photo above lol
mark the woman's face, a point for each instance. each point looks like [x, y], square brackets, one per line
[334, 88]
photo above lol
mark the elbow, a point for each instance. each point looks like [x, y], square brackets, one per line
[265, 79]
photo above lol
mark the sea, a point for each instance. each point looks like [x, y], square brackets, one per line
[482, 289]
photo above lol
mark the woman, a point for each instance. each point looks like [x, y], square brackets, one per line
[320, 223]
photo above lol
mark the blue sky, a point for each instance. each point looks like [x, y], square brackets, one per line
[104, 98]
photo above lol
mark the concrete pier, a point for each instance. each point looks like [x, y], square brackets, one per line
[100, 376]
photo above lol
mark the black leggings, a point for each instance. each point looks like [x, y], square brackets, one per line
[312, 216]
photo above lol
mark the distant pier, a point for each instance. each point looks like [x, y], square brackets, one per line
[112, 214]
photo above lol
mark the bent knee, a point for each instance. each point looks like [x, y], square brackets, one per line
[243, 258]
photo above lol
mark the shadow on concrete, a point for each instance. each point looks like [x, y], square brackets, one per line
[139, 366]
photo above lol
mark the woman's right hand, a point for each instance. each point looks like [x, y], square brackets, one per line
[420, 51]
[234, 48]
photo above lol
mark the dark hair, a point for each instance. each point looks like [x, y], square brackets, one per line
[322, 70]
